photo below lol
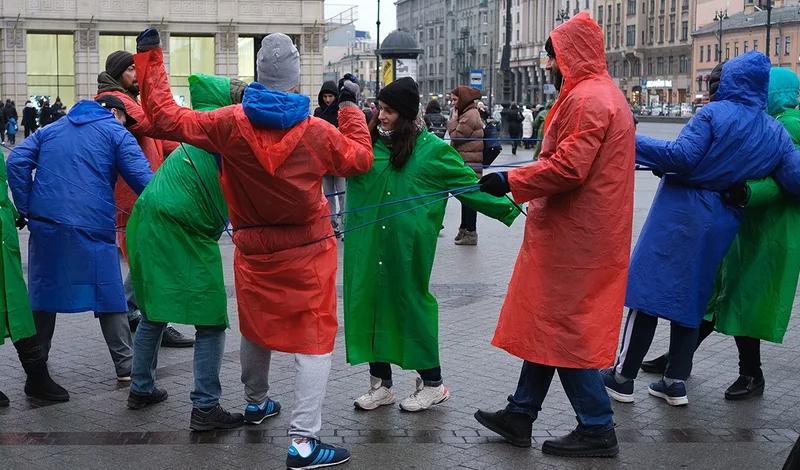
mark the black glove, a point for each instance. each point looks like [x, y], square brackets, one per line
[657, 173]
[737, 195]
[148, 40]
[21, 222]
[349, 89]
[495, 184]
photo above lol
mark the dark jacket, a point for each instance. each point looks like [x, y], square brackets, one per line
[330, 112]
[29, 117]
[435, 120]
[514, 119]
[9, 111]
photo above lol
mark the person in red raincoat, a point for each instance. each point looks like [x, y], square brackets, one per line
[565, 298]
[273, 158]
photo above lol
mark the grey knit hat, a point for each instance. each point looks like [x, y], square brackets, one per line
[278, 63]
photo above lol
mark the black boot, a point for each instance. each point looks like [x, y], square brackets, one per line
[214, 418]
[138, 401]
[515, 428]
[581, 444]
[656, 366]
[39, 384]
[745, 387]
[3, 400]
[173, 338]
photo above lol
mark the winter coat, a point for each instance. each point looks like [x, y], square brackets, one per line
[330, 112]
[467, 125]
[389, 312]
[29, 117]
[11, 126]
[10, 111]
[564, 302]
[155, 150]
[514, 119]
[538, 125]
[689, 228]
[273, 160]
[73, 265]
[176, 266]
[436, 123]
[757, 279]
[16, 320]
[527, 123]
[46, 115]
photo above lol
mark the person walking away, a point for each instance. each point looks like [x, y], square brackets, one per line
[466, 136]
[564, 302]
[273, 158]
[731, 140]
[435, 121]
[333, 186]
[11, 130]
[514, 119]
[390, 315]
[29, 118]
[72, 259]
[119, 79]
[527, 127]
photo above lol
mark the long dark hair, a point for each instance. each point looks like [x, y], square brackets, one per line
[404, 138]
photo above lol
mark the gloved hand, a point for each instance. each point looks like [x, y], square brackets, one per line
[21, 222]
[147, 40]
[495, 184]
[737, 195]
[349, 89]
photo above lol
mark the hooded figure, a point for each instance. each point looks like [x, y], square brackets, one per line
[565, 297]
[328, 111]
[333, 186]
[691, 226]
[434, 119]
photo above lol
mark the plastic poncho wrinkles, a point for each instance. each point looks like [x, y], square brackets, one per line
[564, 302]
[389, 312]
[757, 279]
[176, 265]
[73, 263]
[689, 229]
[273, 158]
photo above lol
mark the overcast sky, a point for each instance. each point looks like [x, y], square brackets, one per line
[367, 14]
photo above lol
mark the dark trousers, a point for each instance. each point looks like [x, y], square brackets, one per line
[12, 138]
[749, 350]
[383, 370]
[640, 328]
[584, 388]
[29, 131]
[469, 218]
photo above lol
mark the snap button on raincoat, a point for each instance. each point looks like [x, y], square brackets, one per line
[689, 229]
[273, 158]
[564, 302]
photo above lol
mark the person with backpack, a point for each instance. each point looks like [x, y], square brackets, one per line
[434, 119]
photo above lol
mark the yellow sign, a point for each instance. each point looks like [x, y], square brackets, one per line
[388, 71]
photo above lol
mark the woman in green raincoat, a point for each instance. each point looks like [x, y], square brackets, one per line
[757, 279]
[176, 266]
[390, 315]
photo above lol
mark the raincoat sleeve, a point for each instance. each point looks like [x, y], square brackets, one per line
[131, 163]
[170, 121]
[787, 174]
[349, 152]
[763, 192]
[681, 155]
[20, 166]
[579, 136]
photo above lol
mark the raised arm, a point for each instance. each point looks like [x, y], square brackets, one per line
[787, 174]
[20, 166]
[681, 155]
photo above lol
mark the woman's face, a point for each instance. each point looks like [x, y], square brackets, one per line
[388, 116]
[454, 100]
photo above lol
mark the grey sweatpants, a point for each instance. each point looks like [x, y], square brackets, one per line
[311, 379]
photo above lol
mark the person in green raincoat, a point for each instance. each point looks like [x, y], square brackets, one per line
[389, 313]
[757, 279]
[176, 266]
[16, 318]
[538, 128]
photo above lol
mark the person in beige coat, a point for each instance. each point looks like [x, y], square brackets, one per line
[466, 133]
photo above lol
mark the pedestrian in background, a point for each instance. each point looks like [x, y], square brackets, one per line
[527, 127]
[11, 130]
[514, 118]
[434, 119]
[29, 118]
[333, 186]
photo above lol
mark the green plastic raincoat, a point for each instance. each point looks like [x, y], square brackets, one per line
[389, 313]
[16, 320]
[172, 235]
[757, 279]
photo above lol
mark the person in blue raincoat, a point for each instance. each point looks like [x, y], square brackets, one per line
[694, 218]
[73, 264]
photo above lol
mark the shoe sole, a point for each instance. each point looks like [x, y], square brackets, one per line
[310, 467]
[446, 397]
[601, 453]
[274, 413]
[673, 401]
[620, 397]
[511, 440]
[384, 403]
[755, 393]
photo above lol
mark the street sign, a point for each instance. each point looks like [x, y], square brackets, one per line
[476, 79]
[549, 89]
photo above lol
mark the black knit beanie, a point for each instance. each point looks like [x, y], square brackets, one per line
[117, 62]
[713, 81]
[403, 96]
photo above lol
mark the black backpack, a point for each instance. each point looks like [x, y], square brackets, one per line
[491, 144]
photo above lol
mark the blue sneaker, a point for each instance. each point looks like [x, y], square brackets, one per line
[322, 455]
[675, 394]
[256, 413]
[621, 392]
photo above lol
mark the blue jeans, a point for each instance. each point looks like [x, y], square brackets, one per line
[584, 388]
[208, 349]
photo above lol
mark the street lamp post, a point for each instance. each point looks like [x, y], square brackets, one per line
[769, 22]
[720, 15]
[378, 54]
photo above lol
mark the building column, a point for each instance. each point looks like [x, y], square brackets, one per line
[226, 44]
[87, 62]
[13, 63]
[311, 61]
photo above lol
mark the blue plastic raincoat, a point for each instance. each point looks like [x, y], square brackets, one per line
[72, 258]
[689, 229]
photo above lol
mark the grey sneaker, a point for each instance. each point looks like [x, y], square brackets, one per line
[459, 235]
[469, 238]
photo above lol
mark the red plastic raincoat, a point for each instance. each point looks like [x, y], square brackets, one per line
[566, 295]
[271, 178]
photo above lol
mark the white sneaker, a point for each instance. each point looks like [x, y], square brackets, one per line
[378, 395]
[425, 397]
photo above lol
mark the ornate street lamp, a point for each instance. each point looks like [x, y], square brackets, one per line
[720, 15]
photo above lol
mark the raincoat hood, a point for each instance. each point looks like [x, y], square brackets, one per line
[745, 80]
[783, 89]
[328, 87]
[209, 92]
[580, 50]
[274, 109]
[87, 111]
